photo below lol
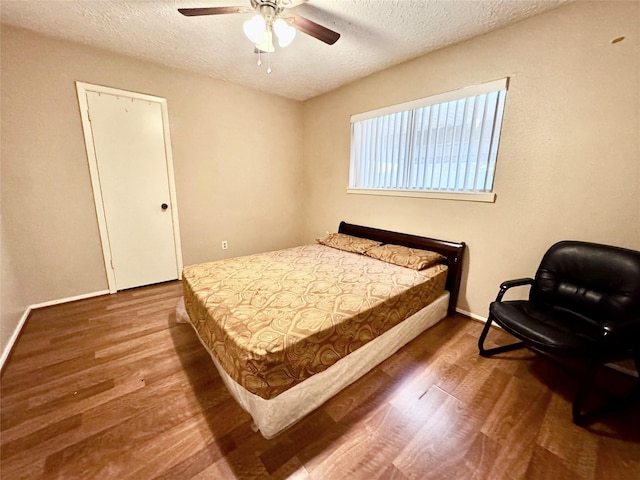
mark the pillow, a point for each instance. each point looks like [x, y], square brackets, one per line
[405, 256]
[347, 242]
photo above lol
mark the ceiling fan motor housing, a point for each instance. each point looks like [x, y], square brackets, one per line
[269, 9]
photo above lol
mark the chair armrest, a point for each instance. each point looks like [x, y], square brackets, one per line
[627, 328]
[504, 286]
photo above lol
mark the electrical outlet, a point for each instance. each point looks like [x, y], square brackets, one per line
[225, 244]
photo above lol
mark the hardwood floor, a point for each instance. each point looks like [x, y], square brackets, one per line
[113, 387]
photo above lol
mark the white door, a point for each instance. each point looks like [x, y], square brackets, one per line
[130, 150]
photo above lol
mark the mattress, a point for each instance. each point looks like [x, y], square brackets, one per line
[273, 320]
[273, 416]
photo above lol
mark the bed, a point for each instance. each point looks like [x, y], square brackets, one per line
[289, 329]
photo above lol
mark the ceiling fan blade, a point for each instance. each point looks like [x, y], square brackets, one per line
[196, 12]
[315, 30]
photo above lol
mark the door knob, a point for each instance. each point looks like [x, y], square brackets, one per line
[164, 206]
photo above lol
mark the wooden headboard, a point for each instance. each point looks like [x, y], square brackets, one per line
[453, 251]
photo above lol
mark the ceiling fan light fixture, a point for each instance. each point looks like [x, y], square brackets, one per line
[267, 44]
[270, 18]
[285, 32]
[255, 29]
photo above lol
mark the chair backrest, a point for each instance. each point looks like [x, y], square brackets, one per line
[600, 282]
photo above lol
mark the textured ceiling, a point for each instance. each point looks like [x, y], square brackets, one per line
[376, 34]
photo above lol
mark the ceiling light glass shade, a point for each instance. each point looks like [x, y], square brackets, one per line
[285, 32]
[267, 44]
[255, 29]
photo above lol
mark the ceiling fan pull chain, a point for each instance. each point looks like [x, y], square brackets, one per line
[259, 58]
[268, 62]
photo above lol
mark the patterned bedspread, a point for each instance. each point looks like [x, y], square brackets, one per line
[274, 319]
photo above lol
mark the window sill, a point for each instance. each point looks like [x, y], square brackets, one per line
[489, 197]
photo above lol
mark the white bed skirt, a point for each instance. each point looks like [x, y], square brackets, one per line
[273, 416]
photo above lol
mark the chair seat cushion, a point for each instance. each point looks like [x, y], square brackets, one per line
[548, 328]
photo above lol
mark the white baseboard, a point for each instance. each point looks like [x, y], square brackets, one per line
[472, 315]
[14, 337]
[69, 299]
[25, 315]
[624, 368]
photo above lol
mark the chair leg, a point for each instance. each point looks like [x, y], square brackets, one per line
[579, 417]
[488, 352]
[583, 418]
[635, 394]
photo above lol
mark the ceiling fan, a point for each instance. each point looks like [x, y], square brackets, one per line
[271, 17]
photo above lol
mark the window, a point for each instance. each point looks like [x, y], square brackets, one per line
[446, 143]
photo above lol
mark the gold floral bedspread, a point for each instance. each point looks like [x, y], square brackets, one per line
[274, 319]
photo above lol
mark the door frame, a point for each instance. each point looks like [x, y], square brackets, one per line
[82, 90]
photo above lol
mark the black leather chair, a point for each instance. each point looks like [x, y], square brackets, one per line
[584, 303]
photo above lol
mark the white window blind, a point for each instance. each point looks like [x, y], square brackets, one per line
[443, 143]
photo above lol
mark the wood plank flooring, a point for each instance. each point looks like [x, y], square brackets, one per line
[113, 388]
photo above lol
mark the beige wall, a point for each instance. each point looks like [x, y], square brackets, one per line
[238, 177]
[569, 159]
